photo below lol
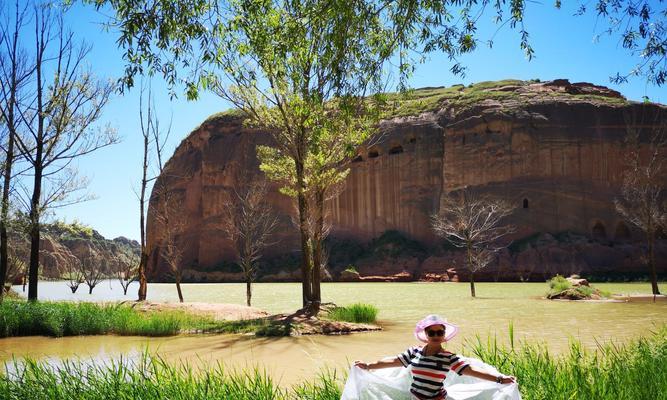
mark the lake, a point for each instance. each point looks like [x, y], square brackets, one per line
[291, 359]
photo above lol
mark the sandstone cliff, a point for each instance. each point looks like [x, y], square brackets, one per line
[554, 149]
[61, 242]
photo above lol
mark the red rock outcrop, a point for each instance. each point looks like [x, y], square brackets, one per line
[554, 149]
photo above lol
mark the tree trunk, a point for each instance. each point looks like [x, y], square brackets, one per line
[142, 222]
[178, 288]
[143, 286]
[248, 291]
[470, 268]
[4, 238]
[33, 270]
[90, 289]
[651, 261]
[317, 253]
[306, 268]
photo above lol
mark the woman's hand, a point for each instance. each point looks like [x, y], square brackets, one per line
[361, 364]
[508, 379]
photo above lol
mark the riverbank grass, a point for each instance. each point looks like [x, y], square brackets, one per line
[633, 371]
[24, 318]
[637, 370]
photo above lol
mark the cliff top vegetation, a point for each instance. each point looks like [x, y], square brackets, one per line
[460, 97]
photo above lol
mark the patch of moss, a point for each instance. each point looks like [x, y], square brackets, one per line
[230, 113]
[601, 99]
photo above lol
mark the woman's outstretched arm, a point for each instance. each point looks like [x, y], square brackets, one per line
[474, 372]
[387, 362]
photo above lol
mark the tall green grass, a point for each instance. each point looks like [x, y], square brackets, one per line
[152, 378]
[634, 371]
[358, 312]
[21, 318]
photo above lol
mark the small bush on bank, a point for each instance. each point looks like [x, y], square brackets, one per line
[358, 313]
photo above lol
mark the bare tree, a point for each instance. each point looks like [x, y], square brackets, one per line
[72, 271]
[126, 267]
[92, 268]
[249, 222]
[641, 203]
[59, 119]
[15, 72]
[474, 224]
[170, 228]
[151, 133]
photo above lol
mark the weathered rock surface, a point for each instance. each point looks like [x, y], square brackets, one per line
[554, 149]
[58, 248]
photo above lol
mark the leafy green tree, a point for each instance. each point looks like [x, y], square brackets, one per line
[301, 70]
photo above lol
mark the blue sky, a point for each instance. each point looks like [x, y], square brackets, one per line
[564, 47]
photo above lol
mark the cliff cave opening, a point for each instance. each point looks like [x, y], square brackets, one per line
[525, 203]
[622, 232]
[358, 158]
[599, 231]
[396, 150]
[373, 154]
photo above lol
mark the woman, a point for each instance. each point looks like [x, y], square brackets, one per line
[429, 365]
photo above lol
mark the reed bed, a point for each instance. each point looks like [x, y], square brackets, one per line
[358, 313]
[151, 378]
[21, 318]
[633, 371]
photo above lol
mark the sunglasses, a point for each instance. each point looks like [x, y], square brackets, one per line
[435, 333]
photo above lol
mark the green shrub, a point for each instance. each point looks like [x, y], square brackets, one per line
[559, 284]
[358, 312]
[351, 268]
[585, 291]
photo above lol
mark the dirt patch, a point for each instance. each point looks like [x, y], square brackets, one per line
[219, 311]
[302, 323]
[298, 323]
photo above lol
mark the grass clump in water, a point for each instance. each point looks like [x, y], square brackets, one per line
[562, 288]
[358, 312]
[21, 318]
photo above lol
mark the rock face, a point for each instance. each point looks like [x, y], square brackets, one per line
[555, 150]
[59, 247]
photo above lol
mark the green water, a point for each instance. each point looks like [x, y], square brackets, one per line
[497, 306]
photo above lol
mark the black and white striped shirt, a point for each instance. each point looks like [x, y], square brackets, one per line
[429, 372]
